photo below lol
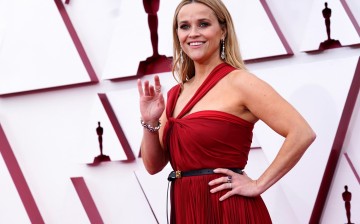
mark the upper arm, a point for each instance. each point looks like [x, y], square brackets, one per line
[268, 105]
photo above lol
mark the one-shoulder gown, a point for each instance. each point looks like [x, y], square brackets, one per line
[208, 139]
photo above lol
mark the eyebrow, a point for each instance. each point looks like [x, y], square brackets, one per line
[199, 20]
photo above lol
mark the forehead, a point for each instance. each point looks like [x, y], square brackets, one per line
[195, 11]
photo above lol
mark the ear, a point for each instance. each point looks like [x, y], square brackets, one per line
[224, 32]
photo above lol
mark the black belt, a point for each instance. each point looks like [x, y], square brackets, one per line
[179, 174]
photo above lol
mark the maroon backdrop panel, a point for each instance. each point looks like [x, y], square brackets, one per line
[336, 148]
[19, 180]
[352, 167]
[86, 200]
[116, 125]
[76, 40]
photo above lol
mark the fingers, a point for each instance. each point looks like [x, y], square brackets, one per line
[227, 195]
[157, 84]
[219, 181]
[151, 90]
[147, 89]
[157, 81]
[237, 184]
[229, 174]
[140, 88]
[143, 90]
[224, 171]
[224, 183]
[221, 187]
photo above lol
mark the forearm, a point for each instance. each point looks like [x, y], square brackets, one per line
[152, 106]
[290, 153]
[154, 156]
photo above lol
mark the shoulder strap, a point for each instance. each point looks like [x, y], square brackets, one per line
[172, 96]
[214, 77]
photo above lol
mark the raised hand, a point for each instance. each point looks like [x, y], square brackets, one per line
[152, 102]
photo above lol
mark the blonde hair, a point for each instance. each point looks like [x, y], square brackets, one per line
[185, 70]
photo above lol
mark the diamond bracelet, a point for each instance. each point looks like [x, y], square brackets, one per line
[149, 127]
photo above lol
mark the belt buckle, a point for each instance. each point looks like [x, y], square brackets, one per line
[177, 174]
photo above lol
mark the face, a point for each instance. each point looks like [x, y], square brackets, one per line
[199, 33]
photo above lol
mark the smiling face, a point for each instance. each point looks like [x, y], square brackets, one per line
[199, 33]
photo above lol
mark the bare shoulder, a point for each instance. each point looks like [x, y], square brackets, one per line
[256, 95]
[246, 82]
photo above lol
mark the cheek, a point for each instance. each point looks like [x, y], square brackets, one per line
[181, 37]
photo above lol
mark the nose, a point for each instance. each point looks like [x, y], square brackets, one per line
[194, 32]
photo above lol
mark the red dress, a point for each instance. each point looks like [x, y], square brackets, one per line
[208, 139]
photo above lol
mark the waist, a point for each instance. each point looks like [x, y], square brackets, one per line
[180, 174]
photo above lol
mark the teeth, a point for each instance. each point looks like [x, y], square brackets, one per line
[195, 43]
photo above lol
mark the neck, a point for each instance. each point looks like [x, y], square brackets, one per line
[203, 70]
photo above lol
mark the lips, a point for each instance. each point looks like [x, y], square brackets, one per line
[196, 43]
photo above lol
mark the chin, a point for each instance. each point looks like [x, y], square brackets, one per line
[197, 58]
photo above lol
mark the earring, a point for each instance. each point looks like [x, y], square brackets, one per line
[181, 56]
[222, 55]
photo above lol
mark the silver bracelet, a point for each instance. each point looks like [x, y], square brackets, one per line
[149, 127]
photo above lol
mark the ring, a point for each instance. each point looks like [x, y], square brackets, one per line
[158, 89]
[229, 178]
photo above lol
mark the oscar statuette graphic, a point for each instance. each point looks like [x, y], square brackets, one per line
[329, 42]
[346, 195]
[101, 157]
[155, 63]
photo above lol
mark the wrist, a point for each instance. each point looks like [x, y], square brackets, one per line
[152, 126]
[260, 188]
[149, 122]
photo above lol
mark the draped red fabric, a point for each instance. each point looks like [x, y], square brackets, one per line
[208, 139]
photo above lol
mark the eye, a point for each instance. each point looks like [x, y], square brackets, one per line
[184, 27]
[204, 24]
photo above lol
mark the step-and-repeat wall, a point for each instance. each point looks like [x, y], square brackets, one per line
[69, 68]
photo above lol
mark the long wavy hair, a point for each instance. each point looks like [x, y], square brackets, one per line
[184, 70]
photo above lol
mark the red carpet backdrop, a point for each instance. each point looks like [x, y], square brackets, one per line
[67, 65]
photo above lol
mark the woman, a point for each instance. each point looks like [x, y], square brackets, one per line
[206, 129]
